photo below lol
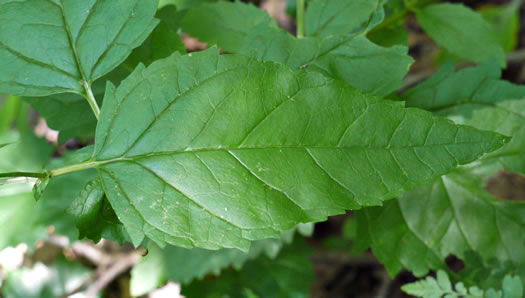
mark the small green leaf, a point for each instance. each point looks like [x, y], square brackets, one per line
[40, 187]
[512, 287]
[444, 281]
[460, 288]
[461, 31]
[491, 293]
[428, 288]
[475, 291]
[49, 47]
[93, 214]
[269, 160]
[87, 205]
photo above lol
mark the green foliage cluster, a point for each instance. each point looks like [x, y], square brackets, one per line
[224, 157]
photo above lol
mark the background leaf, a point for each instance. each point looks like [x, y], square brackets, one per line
[330, 17]
[349, 57]
[405, 233]
[182, 265]
[50, 47]
[288, 275]
[461, 31]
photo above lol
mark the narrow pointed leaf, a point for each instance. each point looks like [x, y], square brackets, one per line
[230, 150]
[53, 46]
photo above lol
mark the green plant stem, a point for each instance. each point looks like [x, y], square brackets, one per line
[23, 174]
[300, 18]
[91, 99]
[83, 166]
[74, 168]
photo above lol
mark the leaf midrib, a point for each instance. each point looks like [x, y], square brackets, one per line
[70, 40]
[306, 147]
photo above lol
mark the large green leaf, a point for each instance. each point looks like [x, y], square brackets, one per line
[229, 150]
[348, 57]
[56, 46]
[70, 113]
[461, 31]
[477, 97]
[455, 215]
[288, 275]
[329, 17]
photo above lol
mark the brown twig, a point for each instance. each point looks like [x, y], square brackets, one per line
[108, 274]
[109, 266]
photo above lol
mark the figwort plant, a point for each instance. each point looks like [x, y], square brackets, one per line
[235, 148]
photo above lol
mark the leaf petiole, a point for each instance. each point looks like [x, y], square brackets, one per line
[82, 166]
[91, 99]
